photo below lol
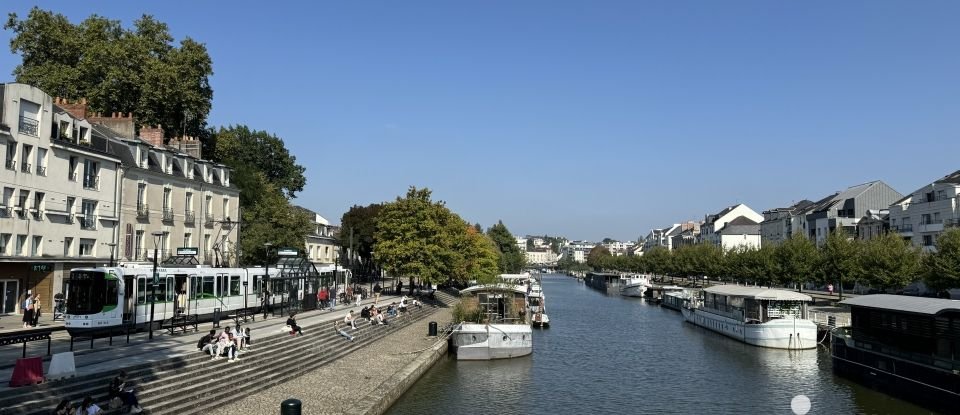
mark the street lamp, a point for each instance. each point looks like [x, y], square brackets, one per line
[156, 278]
[266, 278]
[111, 245]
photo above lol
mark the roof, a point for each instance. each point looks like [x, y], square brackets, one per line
[904, 303]
[952, 178]
[494, 287]
[851, 192]
[757, 293]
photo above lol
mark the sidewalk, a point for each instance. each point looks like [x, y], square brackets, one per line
[164, 346]
[10, 323]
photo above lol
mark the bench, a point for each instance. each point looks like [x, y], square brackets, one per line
[182, 322]
[242, 315]
[26, 337]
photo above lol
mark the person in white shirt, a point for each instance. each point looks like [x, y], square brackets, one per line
[349, 320]
[88, 407]
[226, 343]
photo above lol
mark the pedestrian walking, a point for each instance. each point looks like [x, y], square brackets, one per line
[830, 288]
[376, 293]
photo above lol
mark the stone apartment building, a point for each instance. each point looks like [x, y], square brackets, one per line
[321, 244]
[923, 215]
[60, 204]
[780, 224]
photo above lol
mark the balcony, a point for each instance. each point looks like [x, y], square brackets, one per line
[29, 126]
[167, 214]
[932, 225]
[189, 217]
[143, 211]
[208, 221]
[88, 222]
[37, 214]
[951, 223]
[21, 212]
[41, 171]
[91, 182]
[71, 218]
[25, 167]
[10, 164]
[6, 211]
[908, 228]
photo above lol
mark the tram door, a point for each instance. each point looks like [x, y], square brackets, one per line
[180, 288]
[129, 299]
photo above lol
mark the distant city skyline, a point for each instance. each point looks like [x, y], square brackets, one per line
[576, 119]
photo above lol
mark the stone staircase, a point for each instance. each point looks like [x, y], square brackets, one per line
[191, 383]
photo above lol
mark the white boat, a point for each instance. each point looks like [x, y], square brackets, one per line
[674, 297]
[503, 331]
[540, 319]
[634, 285]
[758, 316]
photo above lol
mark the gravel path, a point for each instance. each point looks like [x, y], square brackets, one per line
[333, 387]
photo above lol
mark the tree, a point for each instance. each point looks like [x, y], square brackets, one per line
[246, 150]
[136, 70]
[942, 268]
[362, 220]
[512, 260]
[272, 219]
[608, 240]
[797, 259]
[889, 261]
[840, 258]
[530, 245]
[659, 260]
[599, 257]
[408, 237]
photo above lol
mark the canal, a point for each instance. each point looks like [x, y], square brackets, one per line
[619, 355]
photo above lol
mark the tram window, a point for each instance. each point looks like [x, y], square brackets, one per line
[171, 292]
[234, 285]
[207, 289]
[141, 289]
[257, 283]
[113, 290]
[222, 285]
[194, 287]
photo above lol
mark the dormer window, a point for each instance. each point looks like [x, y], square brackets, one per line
[169, 165]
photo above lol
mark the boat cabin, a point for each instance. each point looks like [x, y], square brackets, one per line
[754, 304]
[497, 303]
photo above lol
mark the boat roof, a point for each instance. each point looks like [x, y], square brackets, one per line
[510, 277]
[672, 288]
[757, 293]
[494, 287]
[905, 303]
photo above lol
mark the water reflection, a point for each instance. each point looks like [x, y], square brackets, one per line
[616, 355]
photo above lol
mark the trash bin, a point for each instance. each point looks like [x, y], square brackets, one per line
[832, 321]
[432, 329]
[216, 317]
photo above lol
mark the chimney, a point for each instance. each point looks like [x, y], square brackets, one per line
[152, 135]
[124, 125]
[187, 144]
[77, 109]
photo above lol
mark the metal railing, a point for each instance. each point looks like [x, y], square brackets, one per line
[903, 228]
[29, 126]
[930, 221]
[21, 213]
[822, 318]
[6, 211]
[143, 210]
[167, 214]
[91, 182]
[25, 167]
[11, 164]
[189, 217]
[950, 223]
[41, 171]
[88, 222]
[37, 215]
[208, 221]
[71, 218]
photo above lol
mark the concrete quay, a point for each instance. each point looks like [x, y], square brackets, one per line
[172, 376]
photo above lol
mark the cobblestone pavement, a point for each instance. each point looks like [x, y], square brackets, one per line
[333, 387]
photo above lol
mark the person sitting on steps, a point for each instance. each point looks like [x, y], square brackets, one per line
[343, 333]
[208, 344]
[225, 344]
[294, 328]
[120, 388]
[348, 318]
[87, 407]
[365, 312]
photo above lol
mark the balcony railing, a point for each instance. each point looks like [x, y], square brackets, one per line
[88, 222]
[930, 221]
[6, 211]
[146, 254]
[21, 213]
[950, 223]
[143, 210]
[903, 228]
[25, 167]
[37, 214]
[41, 171]
[29, 126]
[167, 214]
[189, 217]
[71, 218]
[10, 164]
[208, 221]
[91, 182]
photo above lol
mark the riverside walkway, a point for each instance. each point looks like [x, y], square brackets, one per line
[172, 376]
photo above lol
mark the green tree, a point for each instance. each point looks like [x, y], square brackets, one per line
[599, 257]
[942, 268]
[659, 260]
[409, 237]
[797, 259]
[889, 261]
[840, 259]
[136, 70]
[272, 219]
[362, 220]
[246, 150]
[512, 259]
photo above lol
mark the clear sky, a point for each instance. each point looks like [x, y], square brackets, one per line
[585, 119]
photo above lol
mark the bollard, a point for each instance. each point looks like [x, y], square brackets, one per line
[290, 407]
[432, 329]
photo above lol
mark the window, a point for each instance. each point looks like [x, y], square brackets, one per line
[206, 243]
[4, 241]
[166, 198]
[941, 194]
[72, 169]
[91, 174]
[209, 207]
[21, 245]
[36, 249]
[87, 247]
[11, 155]
[223, 283]
[927, 240]
[41, 162]
[226, 208]
[38, 200]
[936, 217]
[25, 164]
[187, 239]
[71, 202]
[138, 244]
[29, 118]
[235, 285]
[207, 290]
[141, 194]
[189, 202]
[68, 246]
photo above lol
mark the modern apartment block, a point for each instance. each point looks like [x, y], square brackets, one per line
[780, 224]
[922, 215]
[577, 250]
[61, 195]
[844, 209]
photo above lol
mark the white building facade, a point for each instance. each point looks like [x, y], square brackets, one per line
[923, 215]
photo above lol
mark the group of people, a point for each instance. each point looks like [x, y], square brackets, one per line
[30, 304]
[229, 343]
[120, 392]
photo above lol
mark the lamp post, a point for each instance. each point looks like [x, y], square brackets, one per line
[266, 278]
[156, 278]
[111, 245]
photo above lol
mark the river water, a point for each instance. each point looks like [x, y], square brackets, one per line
[619, 355]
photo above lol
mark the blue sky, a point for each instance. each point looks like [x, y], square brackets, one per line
[585, 119]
